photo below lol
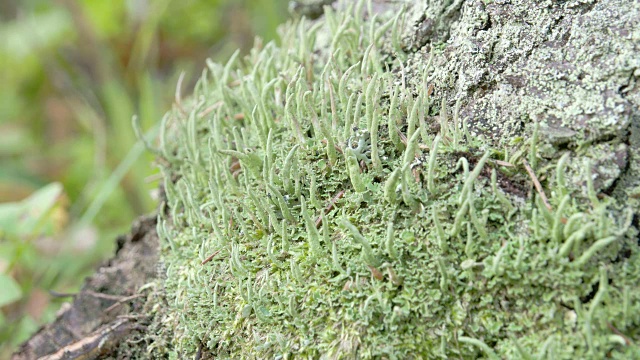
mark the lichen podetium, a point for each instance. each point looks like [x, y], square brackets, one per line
[433, 241]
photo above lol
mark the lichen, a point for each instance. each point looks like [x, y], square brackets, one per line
[289, 233]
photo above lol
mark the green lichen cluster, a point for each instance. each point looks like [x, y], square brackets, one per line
[322, 202]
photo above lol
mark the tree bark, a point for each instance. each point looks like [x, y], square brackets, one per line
[110, 309]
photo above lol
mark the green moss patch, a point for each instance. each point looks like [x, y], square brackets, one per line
[323, 202]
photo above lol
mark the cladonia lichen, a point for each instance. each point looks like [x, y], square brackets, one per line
[352, 214]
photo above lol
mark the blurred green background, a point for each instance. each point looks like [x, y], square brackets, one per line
[72, 174]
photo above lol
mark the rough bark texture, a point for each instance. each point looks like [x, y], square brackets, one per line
[109, 310]
[548, 78]
[571, 66]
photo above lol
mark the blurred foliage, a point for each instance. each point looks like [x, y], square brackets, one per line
[73, 74]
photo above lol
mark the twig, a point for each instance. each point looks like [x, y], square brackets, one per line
[335, 146]
[95, 343]
[376, 273]
[210, 257]
[133, 316]
[403, 137]
[208, 110]
[103, 296]
[330, 206]
[537, 185]
[619, 333]
[504, 163]
[122, 301]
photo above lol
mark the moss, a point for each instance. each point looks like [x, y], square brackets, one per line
[439, 247]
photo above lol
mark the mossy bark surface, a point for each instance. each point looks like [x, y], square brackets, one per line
[435, 179]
